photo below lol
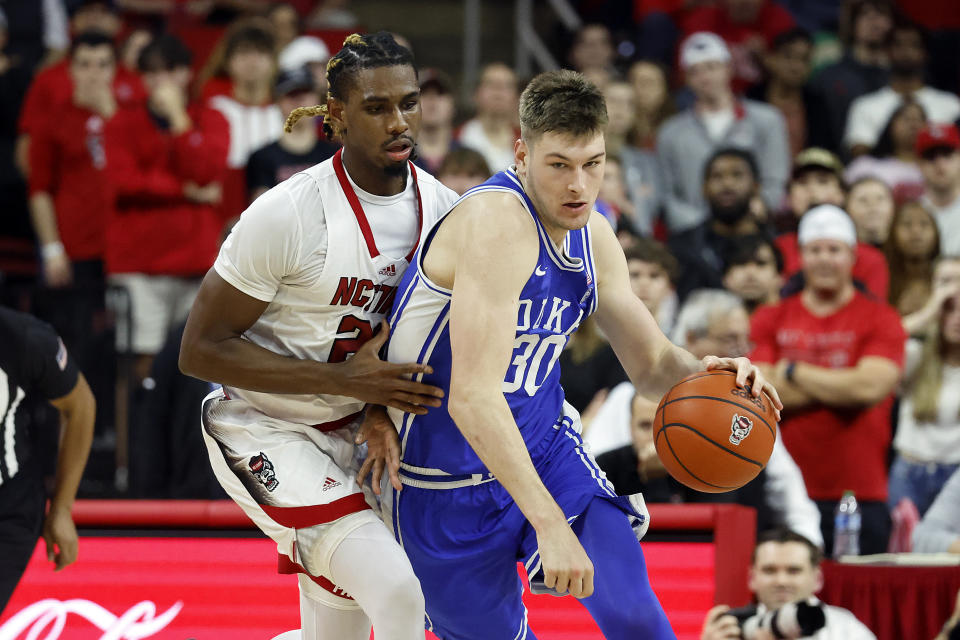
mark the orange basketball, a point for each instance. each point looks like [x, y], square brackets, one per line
[712, 435]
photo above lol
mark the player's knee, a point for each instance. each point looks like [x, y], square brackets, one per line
[401, 595]
[406, 589]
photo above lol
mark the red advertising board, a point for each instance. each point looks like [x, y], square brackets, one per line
[126, 588]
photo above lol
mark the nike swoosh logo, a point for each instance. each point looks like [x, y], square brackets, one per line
[540, 272]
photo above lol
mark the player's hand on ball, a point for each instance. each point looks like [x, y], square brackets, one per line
[60, 536]
[383, 449]
[566, 566]
[366, 377]
[748, 376]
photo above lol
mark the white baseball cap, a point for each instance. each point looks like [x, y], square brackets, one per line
[301, 51]
[703, 46]
[827, 222]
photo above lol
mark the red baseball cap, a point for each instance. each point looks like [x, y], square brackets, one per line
[937, 136]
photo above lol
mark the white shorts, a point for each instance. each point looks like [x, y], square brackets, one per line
[157, 304]
[296, 482]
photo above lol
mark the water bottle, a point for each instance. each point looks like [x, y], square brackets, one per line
[846, 527]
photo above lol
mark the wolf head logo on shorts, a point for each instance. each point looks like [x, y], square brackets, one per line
[740, 428]
[262, 470]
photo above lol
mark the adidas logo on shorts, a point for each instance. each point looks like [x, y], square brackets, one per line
[330, 483]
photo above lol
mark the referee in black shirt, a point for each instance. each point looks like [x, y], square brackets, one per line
[34, 365]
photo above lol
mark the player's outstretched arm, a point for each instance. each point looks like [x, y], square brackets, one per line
[653, 363]
[78, 409]
[496, 250]
[213, 349]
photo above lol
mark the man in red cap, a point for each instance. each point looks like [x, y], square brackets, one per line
[938, 147]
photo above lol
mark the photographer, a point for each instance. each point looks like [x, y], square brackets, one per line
[785, 569]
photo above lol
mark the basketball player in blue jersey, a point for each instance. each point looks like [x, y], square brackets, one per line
[501, 475]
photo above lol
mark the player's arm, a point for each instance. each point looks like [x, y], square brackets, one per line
[77, 410]
[57, 270]
[493, 260]
[56, 265]
[864, 385]
[213, 349]
[653, 363]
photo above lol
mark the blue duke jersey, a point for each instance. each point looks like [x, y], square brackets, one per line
[559, 294]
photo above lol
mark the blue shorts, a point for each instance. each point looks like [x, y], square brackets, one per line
[464, 544]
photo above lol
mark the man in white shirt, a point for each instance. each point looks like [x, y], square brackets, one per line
[938, 147]
[869, 114]
[785, 569]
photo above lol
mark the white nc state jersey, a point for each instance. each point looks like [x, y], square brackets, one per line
[327, 257]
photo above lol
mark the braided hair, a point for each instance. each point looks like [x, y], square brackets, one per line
[359, 52]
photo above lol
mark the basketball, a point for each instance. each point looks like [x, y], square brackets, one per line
[712, 435]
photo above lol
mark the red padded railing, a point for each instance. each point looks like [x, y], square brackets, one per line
[733, 528]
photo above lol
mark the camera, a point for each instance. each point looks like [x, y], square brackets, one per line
[793, 620]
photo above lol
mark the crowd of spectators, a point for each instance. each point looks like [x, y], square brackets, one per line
[783, 176]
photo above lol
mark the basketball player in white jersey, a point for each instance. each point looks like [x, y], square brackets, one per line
[285, 321]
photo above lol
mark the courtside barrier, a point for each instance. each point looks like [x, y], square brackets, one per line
[731, 527]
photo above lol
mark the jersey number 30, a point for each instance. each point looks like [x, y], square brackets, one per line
[529, 357]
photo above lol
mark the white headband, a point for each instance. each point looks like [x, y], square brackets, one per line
[827, 222]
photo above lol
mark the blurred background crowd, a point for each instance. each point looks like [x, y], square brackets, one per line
[136, 131]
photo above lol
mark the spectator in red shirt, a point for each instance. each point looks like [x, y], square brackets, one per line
[818, 179]
[69, 198]
[52, 88]
[835, 355]
[748, 26]
[165, 163]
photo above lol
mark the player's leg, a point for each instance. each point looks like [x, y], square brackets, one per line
[623, 603]
[321, 620]
[373, 569]
[462, 544]
[265, 468]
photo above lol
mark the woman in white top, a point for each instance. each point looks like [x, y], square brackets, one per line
[928, 436]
